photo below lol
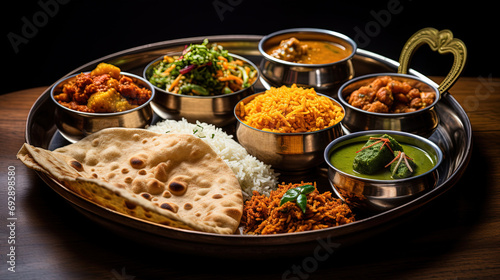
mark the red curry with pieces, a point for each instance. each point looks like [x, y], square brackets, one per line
[386, 95]
[104, 90]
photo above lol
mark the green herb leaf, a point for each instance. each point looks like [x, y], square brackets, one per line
[290, 195]
[298, 195]
[302, 202]
[306, 189]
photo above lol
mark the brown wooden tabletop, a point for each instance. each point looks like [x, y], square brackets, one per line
[455, 236]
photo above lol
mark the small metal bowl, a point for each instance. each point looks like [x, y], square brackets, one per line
[286, 151]
[422, 122]
[74, 125]
[380, 195]
[324, 78]
[216, 110]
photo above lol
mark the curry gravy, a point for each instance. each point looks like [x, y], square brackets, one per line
[309, 52]
[343, 157]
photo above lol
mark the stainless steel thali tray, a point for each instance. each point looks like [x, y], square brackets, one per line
[453, 136]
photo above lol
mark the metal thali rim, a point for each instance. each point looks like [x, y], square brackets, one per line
[250, 240]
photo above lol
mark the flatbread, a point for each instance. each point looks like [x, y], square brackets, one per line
[172, 179]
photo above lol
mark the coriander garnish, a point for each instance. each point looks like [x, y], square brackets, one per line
[298, 195]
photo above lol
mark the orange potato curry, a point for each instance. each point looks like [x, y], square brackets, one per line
[104, 90]
[308, 52]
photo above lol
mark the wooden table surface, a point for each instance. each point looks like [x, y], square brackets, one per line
[455, 236]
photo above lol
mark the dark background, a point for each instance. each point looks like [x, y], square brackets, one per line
[71, 33]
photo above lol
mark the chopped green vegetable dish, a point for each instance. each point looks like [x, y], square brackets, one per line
[202, 70]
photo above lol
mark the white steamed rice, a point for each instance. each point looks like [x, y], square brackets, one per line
[252, 174]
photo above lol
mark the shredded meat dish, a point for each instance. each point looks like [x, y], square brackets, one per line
[264, 215]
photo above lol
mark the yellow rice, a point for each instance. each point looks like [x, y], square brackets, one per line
[290, 109]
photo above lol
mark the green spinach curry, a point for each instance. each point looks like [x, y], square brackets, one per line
[347, 159]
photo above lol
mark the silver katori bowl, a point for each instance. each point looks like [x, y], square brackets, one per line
[324, 78]
[422, 122]
[75, 125]
[286, 151]
[381, 195]
[216, 110]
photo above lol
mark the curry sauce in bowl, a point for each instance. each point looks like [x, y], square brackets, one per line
[103, 90]
[390, 101]
[309, 52]
[381, 169]
[307, 57]
[103, 98]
